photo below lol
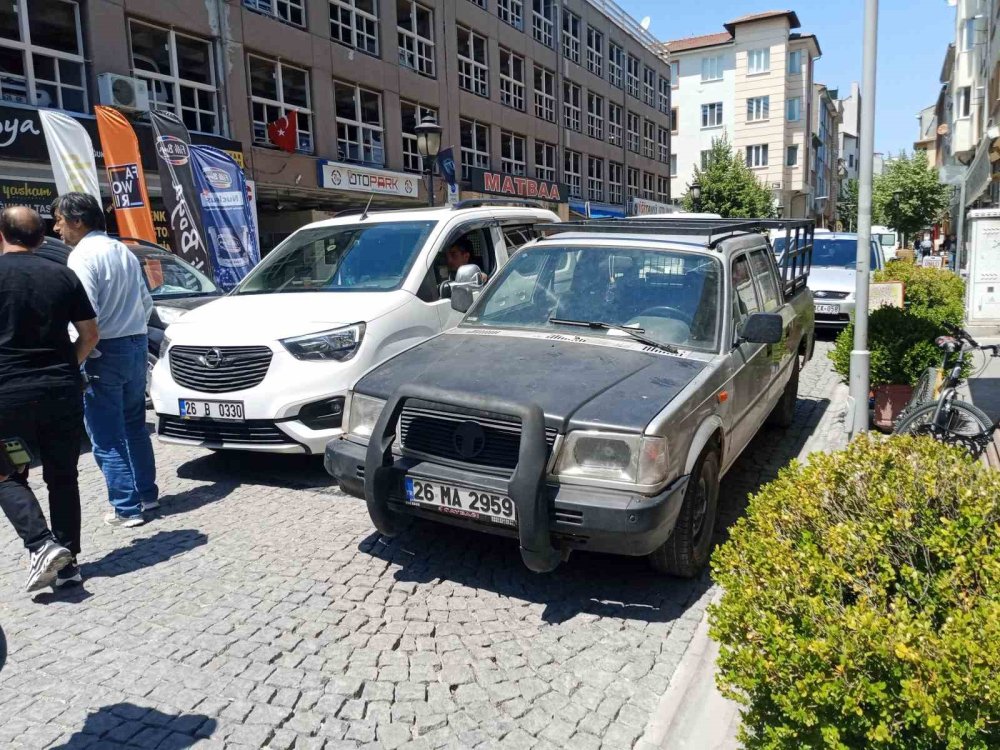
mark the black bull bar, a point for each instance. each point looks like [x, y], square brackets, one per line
[525, 487]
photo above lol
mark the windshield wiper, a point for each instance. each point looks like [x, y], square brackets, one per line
[636, 333]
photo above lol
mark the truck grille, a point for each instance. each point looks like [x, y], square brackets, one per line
[468, 437]
[250, 432]
[219, 369]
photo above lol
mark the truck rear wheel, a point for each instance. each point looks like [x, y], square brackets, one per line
[783, 414]
[687, 550]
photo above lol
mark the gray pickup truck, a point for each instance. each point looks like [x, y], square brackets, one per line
[595, 392]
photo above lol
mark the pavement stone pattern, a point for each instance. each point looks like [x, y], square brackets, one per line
[259, 609]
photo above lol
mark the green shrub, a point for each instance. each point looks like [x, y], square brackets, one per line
[932, 293]
[861, 604]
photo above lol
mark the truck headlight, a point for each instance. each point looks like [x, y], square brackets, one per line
[164, 345]
[363, 413]
[636, 459]
[339, 344]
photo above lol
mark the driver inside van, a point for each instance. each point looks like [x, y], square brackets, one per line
[457, 255]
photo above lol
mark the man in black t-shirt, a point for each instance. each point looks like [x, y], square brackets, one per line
[40, 401]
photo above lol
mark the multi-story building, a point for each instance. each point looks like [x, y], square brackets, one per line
[850, 133]
[754, 84]
[575, 92]
[825, 168]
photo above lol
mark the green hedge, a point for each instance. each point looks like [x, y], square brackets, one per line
[861, 604]
[932, 293]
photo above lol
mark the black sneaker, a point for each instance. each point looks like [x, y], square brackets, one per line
[45, 563]
[68, 576]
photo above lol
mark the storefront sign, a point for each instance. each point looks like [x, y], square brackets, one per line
[644, 207]
[514, 186]
[36, 195]
[338, 176]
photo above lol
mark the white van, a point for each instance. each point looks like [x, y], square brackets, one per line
[887, 239]
[267, 367]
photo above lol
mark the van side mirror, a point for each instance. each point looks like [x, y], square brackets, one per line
[763, 328]
[462, 297]
[470, 273]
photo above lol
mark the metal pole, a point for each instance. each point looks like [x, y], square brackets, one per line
[430, 192]
[860, 356]
[960, 234]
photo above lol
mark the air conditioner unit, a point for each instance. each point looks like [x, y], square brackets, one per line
[123, 92]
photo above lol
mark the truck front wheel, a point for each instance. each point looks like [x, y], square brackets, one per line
[687, 550]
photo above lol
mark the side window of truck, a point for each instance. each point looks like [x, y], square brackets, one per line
[767, 284]
[745, 301]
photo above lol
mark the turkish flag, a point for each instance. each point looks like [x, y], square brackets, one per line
[284, 132]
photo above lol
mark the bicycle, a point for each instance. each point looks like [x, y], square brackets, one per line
[947, 418]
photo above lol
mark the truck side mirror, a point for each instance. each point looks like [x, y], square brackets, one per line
[470, 273]
[763, 328]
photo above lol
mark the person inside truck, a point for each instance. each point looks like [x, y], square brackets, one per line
[458, 254]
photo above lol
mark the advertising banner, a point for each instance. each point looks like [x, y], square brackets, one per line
[126, 178]
[71, 153]
[338, 176]
[225, 214]
[173, 153]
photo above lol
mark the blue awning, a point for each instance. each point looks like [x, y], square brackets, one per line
[597, 210]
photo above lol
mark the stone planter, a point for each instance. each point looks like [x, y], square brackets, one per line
[890, 400]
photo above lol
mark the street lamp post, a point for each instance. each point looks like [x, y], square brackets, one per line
[695, 188]
[429, 146]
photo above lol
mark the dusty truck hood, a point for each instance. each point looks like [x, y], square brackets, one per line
[579, 382]
[832, 279]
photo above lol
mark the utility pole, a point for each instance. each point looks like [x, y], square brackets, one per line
[857, 419]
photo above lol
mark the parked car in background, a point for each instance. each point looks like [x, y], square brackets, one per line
[593, 395]
[267, 367]
[832, 278]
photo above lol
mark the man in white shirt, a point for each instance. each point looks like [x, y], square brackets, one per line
[115, 404]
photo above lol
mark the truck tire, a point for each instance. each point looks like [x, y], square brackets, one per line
[686, 551]
[783, 413]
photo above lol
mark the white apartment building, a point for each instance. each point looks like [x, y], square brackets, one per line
[753, 83]
[850, 132]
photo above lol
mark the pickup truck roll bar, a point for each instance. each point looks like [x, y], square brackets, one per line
[480, 202]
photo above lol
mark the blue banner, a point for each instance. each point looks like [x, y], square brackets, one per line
[226, 215]
[446, 163]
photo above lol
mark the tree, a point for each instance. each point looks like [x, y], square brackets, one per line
[728, 187]
[847, 206]
[922, 196]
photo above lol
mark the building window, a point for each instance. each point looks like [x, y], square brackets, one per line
[480, 3]
[571, 36]
[711, 68]
[572, 109]
[289, 11]
[969, 35]
[648, 186]
[595, 116]
[512, 12]
[614, 124]
[41, 55]
[616, 194]
[792, 156]
[545, 94]
[543, 13]
[473, 72]
[415, 27]
[475, 139]
[633, 132]
[633, 182]
[663, 189]
[616, 62]
[795, 62]
[648, 139]
[675, 73]
[512, 154]
[706, 159]
[850, 160]
[963, 101]
[759, 61]
[758, 108]
[632, 75]
[354, 23]
[595, 51]
[359, 124]
[794, 107]
[662, 144]
[275, 89]
[180, 73]
[664, 95]
[673, 165]
[412, 115]
[595, 178]
[511, 79]
[572, 173]
[757, 156]
[711, 115]
[674, 120]
[545, 161]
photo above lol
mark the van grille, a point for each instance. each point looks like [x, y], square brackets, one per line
[250, 432]
[219, 369]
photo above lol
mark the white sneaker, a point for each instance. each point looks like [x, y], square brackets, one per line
[113, 519]
[45, 563]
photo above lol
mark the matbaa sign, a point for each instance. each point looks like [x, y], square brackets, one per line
[338, 176]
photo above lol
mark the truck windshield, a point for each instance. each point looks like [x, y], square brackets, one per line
[671, 297]
[840, 253]
[372, 257]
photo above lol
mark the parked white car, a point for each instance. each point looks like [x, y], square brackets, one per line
[267, 367]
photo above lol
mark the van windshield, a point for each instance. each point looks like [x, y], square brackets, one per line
[374, 257]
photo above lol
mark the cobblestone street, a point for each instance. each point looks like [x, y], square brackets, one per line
[259, 609]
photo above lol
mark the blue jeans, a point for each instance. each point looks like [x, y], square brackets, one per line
[115, 416]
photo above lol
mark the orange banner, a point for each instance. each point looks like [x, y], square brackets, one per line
[125, 175]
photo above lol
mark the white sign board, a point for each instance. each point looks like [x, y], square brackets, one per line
[338, 176]
[983, 296]
[932, 261]
[643, 206]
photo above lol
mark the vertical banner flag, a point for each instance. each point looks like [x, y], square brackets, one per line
[173, 154]
[225, 214]
[71, 152]
[125, 175]
[252, 202]
[446, 165]
[284, 132]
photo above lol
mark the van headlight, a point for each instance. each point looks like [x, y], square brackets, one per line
[363, 413]
[164, 345]
[339, 344]
[635, 459]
